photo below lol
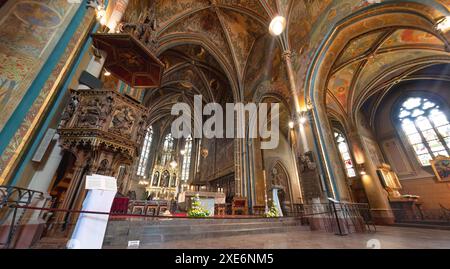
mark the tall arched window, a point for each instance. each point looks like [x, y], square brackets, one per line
[345, 153]
[145, 154]
[167, 150]
[426, 127]
[186, 160]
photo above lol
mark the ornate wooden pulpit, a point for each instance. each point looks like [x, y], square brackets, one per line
[104, 130]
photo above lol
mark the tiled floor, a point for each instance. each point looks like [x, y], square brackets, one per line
[385, 238]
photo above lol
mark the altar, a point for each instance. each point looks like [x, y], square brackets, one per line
[208, 200]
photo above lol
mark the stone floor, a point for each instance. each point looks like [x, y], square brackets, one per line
[385, 238]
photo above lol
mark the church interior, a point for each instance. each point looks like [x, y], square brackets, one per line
[89, 87]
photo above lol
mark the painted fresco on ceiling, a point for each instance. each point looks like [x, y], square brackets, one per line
[243, 31]
[251, 5]
[328, 18]
[410, 36]
[359, 47]
[329, 14]
[386, 61]
[266, 71]
[340, 83]
[167, 11]
[194, 71]
[205, 23]
[28, 33]
[302, 18]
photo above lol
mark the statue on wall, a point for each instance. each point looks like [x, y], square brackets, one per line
[306, 163]
[145, 29]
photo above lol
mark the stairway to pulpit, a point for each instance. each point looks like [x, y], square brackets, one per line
[150, 232]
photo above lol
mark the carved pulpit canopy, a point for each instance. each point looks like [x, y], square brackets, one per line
[102, 119]
[130, 60]
[131, 54]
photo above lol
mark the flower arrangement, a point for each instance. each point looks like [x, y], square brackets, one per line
[273, 212]
[197, 211]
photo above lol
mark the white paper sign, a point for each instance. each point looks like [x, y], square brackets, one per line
[134, 244]
[99, 182]
[91, 228]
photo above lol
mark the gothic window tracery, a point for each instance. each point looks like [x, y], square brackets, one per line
[168, 147]
[145, 154]
[345, 153]
[185, 170]
[426, 127]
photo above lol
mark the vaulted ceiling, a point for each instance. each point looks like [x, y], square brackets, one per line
[373, 63]
[226, 43]
[190, 70]
[231, 26]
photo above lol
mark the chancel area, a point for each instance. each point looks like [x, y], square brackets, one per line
[218, 120]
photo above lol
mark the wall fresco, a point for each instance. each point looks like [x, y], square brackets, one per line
[28, 33]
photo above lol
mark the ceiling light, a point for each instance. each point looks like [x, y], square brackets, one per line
[277, 26]
[107, 73]
[173, 164]
[302, 120]
[103, 21]
[101, 13]
[291, 125]
[443, 24]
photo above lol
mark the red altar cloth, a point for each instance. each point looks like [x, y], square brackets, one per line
[120, 205]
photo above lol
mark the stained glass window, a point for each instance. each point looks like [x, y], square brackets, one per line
[167, 150]
[426, 127]
[345, 154]
[186, 160]
[145, 154]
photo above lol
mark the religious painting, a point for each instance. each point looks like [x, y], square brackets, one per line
[165, 179]
[441, 168]
[389, 179]
[155, 179]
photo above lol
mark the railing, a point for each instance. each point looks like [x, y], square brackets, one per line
[339, 217]
[440, 215]
[11, 198]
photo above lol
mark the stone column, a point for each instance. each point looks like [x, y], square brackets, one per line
[302, 145]
[331, 157]
[376, 194]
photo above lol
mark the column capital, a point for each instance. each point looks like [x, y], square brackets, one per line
[287, 55]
